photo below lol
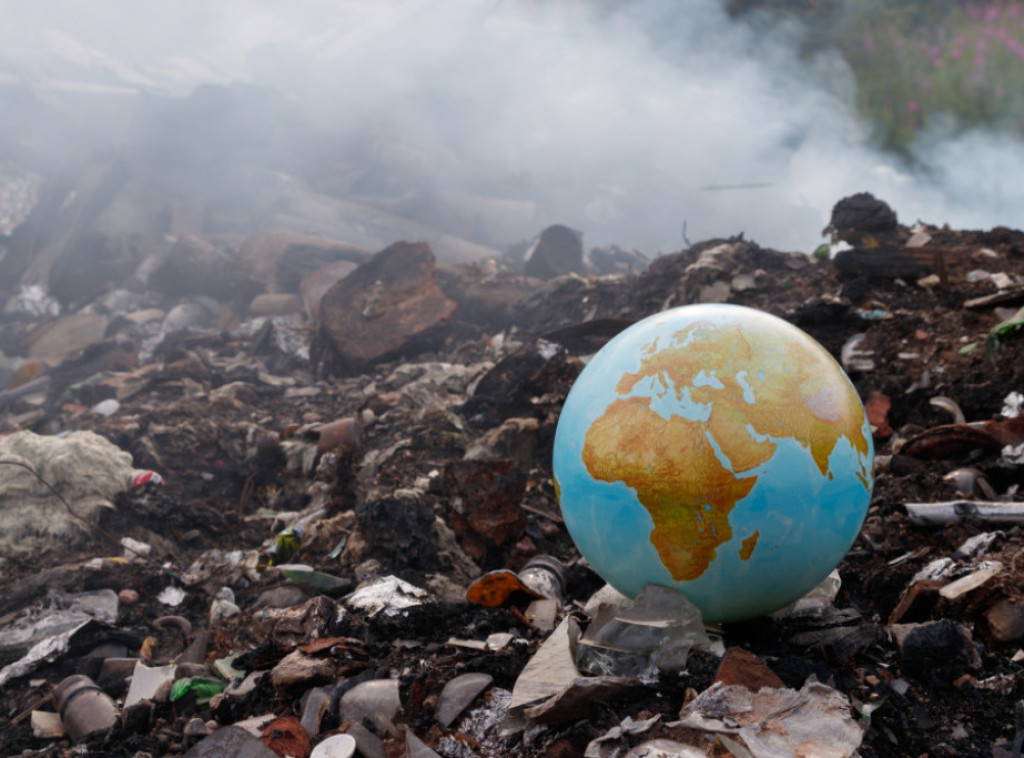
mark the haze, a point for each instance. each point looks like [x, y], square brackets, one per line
[490, 120]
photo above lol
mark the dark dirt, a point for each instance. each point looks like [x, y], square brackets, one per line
[218, 478]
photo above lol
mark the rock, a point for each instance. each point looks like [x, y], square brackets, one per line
[859, 215]
[417, 748]
[195, 266]
[740, 666]
[574, 702]
[297, 670]
[558, 251]
[938, 652]
[386, 307]
[376, 702]
[231, 741]
[457, 694]
[314, 285]
[485, 509]
[1006, 620]
[277, 261]
[68, 336]
[275, 304]
[89, 264]
[335, 746]
[516, 438]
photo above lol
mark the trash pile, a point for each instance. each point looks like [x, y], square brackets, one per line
[285, 495]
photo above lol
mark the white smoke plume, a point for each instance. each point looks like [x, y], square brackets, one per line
[625, 120]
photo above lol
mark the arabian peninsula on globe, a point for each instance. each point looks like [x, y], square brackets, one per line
[719, 450]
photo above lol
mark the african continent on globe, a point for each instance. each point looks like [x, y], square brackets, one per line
[717, 449]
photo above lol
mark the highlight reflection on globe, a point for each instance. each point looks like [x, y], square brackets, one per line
[719, 450]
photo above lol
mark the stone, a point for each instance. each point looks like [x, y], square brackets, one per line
[89, 263]
[275, 304]
[314, 286]
[389, 306]
[297, 670]
[740, 666]
[232, 741]
[485, 509]
[277, 260]
[1006, 620]
[938, 652]
[558, 251]
[335, 746]
[376, 701]
[68, 336]
[457, 694]
[574, 702]
[194, 266]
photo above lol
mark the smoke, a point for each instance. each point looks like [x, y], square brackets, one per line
[626, 120]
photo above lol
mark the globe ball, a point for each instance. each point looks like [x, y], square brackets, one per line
[716, 449]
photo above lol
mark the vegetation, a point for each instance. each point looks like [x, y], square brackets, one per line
[919, 63]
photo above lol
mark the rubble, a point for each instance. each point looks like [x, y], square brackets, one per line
[336, 531]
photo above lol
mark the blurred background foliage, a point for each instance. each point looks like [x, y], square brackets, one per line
[918, 64]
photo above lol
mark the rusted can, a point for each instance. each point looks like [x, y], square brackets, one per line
[84, 708]
[342, 435]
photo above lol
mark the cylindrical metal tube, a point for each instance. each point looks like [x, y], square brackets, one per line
[84, 708]
[544, 575]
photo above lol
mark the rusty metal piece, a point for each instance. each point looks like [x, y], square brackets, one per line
[495, 588]
[959, 440]
[180, 622]
[343, 435]
[542, 577]
[287, 737]
[486, 508]
[877, 408]
[388, 305]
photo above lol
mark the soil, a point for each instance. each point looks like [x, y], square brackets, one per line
[224, 458]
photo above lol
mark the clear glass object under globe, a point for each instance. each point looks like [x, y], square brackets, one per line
[717, 449]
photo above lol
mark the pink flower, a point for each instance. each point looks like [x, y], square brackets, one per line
[912, 106]
[867, 44]
[992, 13]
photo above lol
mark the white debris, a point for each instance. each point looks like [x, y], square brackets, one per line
[1012, 404]
[389, 594]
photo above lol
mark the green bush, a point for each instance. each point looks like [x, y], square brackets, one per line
[920, 61]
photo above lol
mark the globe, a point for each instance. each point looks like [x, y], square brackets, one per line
[716, 449]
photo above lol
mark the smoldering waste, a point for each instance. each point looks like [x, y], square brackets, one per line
[286, 495]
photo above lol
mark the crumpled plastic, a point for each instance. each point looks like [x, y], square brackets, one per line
[389, 594]
[85, 469]
[653, 634]
[777, 723]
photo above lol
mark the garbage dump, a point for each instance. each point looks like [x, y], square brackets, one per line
[336, 521]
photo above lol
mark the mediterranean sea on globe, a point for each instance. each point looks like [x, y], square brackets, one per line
[716, 449]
